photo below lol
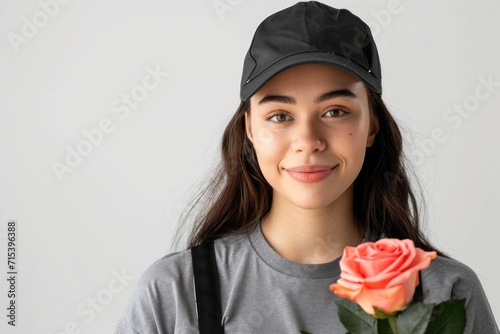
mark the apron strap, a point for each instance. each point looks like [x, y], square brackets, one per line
[207, 289]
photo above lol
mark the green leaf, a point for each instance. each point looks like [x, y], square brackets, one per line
[354, 319]
[415, 318]
[383, 326]
[304, 332]
[447, 318]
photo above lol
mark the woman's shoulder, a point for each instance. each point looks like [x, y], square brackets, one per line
[166, 274]
[447, 278]
[161, 298]
[172, 266]
[175, 268]
[450, 268]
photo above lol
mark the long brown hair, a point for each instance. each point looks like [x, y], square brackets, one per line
[238, 195]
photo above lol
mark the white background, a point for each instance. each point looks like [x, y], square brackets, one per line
[117, 211]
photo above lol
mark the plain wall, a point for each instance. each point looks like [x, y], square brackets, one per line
[116, 210]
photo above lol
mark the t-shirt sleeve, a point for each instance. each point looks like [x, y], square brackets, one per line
[141, 315]
[449, 279]
[162, 302]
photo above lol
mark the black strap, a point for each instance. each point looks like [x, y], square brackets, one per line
[207, 289]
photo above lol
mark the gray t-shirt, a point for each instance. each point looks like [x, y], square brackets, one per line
[262, 292]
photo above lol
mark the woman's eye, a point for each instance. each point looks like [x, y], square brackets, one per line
[278, 118]
[336, 112]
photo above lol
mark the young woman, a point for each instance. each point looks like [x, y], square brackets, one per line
[311, 163]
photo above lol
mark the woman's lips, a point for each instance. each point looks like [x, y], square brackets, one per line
[310, 173]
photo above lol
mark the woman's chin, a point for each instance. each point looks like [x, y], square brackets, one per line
[311, 203]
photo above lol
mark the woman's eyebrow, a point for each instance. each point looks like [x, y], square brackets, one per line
[335, 93]
[324, 97]
[278, 98]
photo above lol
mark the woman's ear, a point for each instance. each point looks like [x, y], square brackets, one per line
[374, 127]
[248, 127]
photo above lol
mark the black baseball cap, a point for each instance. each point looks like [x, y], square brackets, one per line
[311, 32]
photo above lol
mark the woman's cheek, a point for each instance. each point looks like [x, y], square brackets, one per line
[267, 141]
[345, 134]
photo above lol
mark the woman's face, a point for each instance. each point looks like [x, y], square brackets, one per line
[310, 126]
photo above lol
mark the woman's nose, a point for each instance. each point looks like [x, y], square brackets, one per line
[308, 137]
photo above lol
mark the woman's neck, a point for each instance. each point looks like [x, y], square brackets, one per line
[311, 235]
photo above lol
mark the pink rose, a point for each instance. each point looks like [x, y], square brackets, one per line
[383, 274]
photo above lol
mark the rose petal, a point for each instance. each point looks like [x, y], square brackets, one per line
[350, 284]
[370, 268]
[425, 261]
[344, 292]
[380, 281]
[387, 300]
[405, 259]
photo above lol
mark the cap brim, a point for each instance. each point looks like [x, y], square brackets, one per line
[254, 84]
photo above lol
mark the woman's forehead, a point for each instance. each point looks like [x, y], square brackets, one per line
[310, 78]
